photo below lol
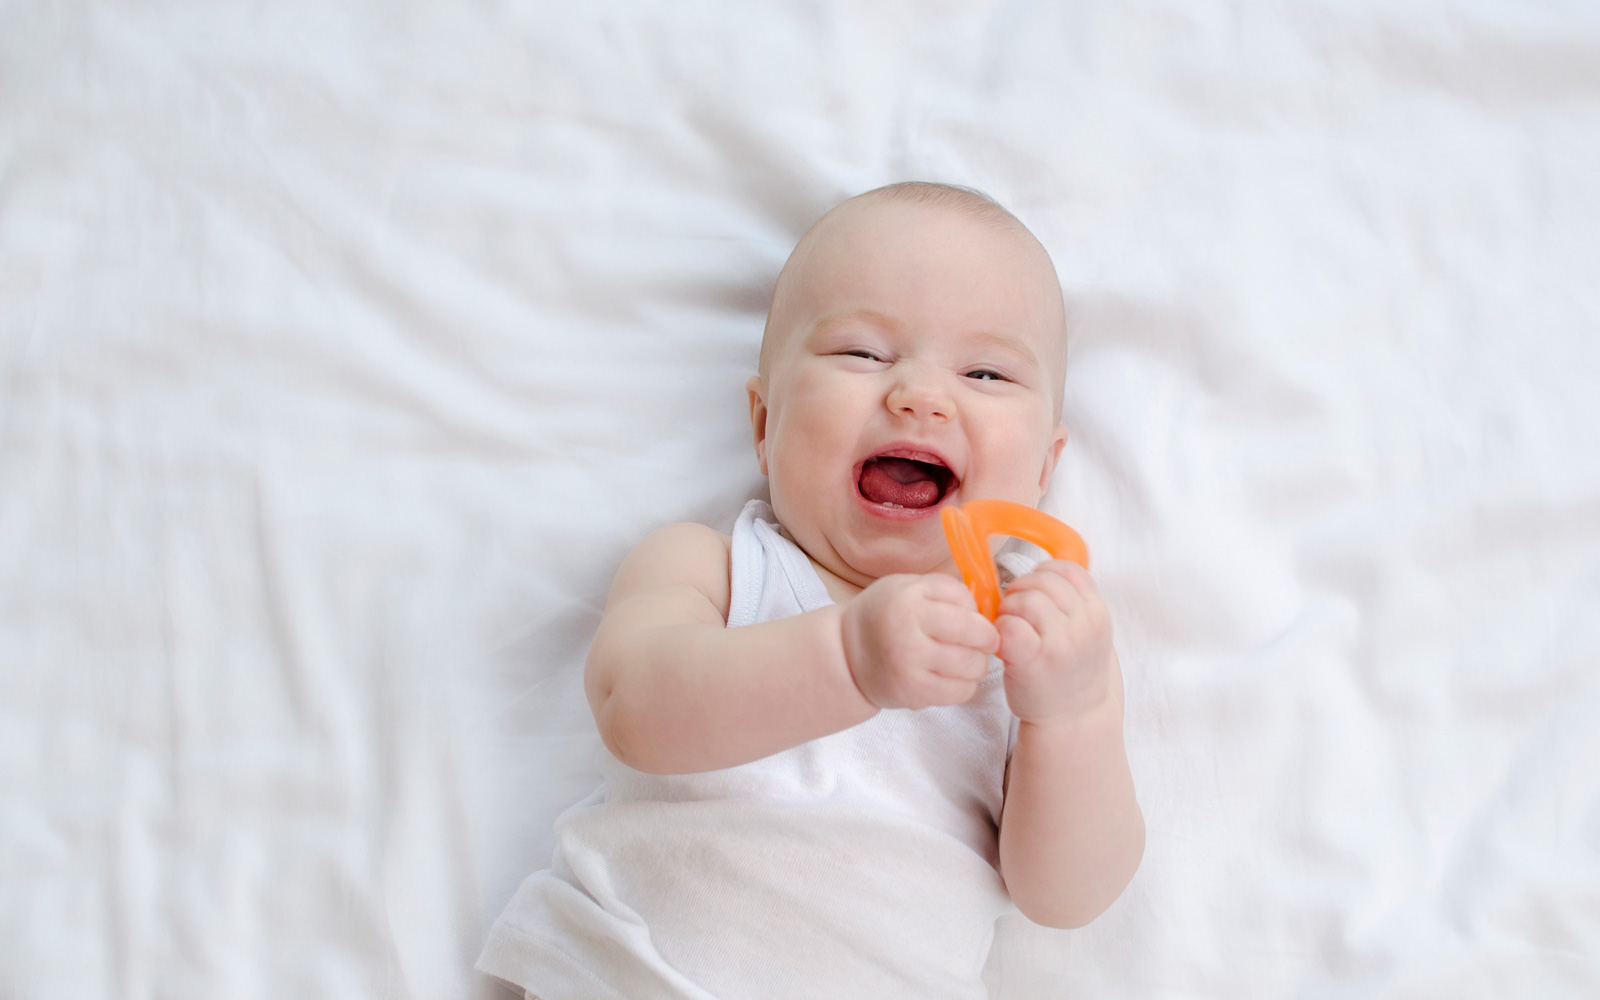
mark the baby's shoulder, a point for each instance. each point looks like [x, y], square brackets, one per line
[678, 555]
[685, 540]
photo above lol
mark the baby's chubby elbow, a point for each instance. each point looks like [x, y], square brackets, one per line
[610, 717]
[623, 751]
[625, 723]
[614, 734]
[622, 740]
[611, 734]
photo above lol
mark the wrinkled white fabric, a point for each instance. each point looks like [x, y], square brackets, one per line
[861, 864]
[346, 347]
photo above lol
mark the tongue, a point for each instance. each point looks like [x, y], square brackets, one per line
[899, 481]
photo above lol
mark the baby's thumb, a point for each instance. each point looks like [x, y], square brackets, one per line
[1019, 642]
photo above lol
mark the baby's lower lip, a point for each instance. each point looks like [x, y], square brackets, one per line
[890, 512]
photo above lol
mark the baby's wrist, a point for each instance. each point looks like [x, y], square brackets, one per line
[852, 654]
[1102, 712]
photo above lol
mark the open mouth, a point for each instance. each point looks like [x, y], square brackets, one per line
[909, 483]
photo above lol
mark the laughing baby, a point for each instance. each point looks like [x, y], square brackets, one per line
[826, 774]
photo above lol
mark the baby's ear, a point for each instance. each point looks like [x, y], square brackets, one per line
[1051, 456]
[758, 419]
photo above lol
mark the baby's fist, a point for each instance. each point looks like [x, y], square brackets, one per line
[915, 641]
[1055, 639]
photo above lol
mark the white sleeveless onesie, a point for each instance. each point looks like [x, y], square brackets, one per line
[862, 864]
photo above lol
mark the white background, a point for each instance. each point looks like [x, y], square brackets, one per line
[346, 347]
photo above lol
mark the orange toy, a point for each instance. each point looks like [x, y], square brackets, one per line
[969, 526]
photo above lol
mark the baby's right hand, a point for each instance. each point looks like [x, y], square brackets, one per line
[913, 641]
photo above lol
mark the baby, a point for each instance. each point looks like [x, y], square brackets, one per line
[827, 773]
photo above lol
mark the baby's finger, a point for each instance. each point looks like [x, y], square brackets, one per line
[1038, 608]
[1075, 575]
[960, 627]
[956, 663]
[1056, 588]
[1020, 642]
[947, 589]
[1085, 608]
[942, 690]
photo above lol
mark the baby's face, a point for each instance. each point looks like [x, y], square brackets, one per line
[917, 360]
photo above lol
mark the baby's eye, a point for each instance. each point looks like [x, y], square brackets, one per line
[859, 353]
[987, 374]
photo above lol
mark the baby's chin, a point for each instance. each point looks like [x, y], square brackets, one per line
[875, 563]
[859, 557]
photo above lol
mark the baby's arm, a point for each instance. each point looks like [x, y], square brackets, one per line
[1071, 833]
[674, 690]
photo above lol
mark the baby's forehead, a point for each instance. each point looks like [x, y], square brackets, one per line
[945, 242]
[868, 229]
[866, 241]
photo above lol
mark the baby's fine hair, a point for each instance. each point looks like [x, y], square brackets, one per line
[957, 196]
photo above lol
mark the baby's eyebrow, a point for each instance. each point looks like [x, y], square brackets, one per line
[868, 316]
[1009, 343]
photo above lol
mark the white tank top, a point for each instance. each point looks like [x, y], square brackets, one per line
[862, 864]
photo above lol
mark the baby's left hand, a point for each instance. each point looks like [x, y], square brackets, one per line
[1055, 640]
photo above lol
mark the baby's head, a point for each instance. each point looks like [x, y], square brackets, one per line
[913, 357]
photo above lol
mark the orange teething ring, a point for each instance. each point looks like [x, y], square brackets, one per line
[968, 527]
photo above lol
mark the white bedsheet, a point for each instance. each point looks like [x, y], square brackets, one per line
[346, 347]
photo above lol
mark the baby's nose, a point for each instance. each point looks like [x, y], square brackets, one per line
[920, 396]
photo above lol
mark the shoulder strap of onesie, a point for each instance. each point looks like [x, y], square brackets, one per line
[759, 554]
[747, 565]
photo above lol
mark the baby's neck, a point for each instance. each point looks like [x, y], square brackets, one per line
[842, 591]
